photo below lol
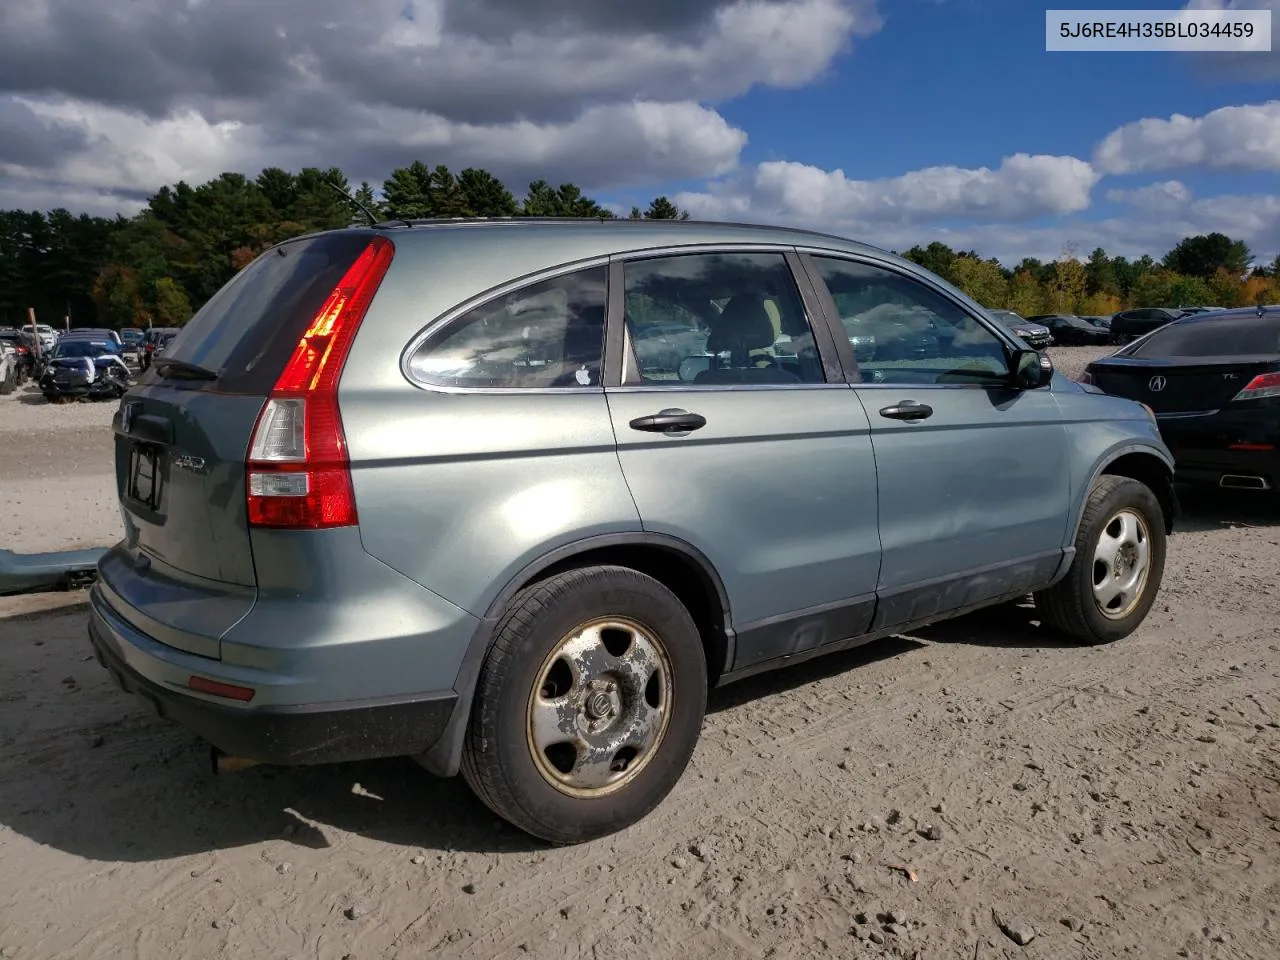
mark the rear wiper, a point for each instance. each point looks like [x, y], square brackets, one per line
[180, 369]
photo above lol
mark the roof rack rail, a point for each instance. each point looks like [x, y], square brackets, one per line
[455, 221]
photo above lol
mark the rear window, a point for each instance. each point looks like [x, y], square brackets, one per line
[1237, 337]
[248, 330]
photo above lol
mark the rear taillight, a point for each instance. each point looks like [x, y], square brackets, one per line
[1263, 385]
[1086, 377]
[298, 473]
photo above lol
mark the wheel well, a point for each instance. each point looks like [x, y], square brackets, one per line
[680, 574]
[1152, 472]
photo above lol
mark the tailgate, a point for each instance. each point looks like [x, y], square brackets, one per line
[185, 572]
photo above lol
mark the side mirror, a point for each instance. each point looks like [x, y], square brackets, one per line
[1032, 369]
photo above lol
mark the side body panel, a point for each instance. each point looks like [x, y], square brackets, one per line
[458, 490]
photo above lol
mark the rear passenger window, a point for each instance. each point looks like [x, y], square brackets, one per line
[548, 334]
[718, 318]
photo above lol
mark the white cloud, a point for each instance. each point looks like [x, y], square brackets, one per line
[1021, 188]
[999, 212]
[1229, 138]
[129, 97]
[126, 152]
[1162, 197]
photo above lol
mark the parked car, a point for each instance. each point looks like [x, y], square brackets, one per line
[1128, 325]
[9, 367]
[82, 368]
[151, 341]
[131, 339]
[411, 490]
[23, 361]
[1213, 380]
[41, 337]
[1072, 331]
[1035, 335]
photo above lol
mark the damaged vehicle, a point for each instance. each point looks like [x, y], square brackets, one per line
[82, 369]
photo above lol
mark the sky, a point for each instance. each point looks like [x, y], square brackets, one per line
[891, 121]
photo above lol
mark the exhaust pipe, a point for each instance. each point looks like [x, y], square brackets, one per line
[225, 763]
[1236, 481]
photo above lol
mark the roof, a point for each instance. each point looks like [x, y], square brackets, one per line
[655, 232]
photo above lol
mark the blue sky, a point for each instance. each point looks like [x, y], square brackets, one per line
[968, 82]
[897, 121]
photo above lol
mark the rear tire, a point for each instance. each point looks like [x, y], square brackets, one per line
[588, 705]
[1118, 566]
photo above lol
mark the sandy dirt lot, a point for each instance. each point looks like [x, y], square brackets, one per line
[56, 474]
[1118, 801]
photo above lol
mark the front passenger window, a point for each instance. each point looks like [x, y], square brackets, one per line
[904, 332]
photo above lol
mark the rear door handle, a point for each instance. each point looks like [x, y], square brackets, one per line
[908, 410]
[669, 421]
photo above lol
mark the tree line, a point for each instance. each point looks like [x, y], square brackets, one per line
[159, 266]
[1206, 270]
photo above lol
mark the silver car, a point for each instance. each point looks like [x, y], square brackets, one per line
[413, 490]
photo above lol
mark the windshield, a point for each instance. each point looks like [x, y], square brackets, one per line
[83, 348]
[1234, 337]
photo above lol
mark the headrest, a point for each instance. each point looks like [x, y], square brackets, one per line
[742, 326]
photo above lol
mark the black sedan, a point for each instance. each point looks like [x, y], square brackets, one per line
[1213, 381]
[1072, 331]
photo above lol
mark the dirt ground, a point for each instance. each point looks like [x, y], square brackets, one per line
[1096, 803]
[56, 474]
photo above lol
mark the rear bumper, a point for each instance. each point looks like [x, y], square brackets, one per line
[1206, 449]
[286, 735]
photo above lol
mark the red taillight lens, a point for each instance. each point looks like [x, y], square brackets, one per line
[1263, 385]
[1086, 377]
[298, 473]
[219, 689]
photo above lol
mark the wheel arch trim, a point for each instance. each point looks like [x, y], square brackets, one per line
[445, 757]
[1167, 497]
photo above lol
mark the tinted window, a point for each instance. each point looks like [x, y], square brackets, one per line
[717, 319]
[1228, 337]
[548, 334]
[915, 335]
[247, 331]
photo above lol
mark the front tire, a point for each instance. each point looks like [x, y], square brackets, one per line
[588, 705]
[1118, 566]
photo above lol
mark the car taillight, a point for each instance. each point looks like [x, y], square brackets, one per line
[150, 347]
[298, 473]
[1263, 385]
[1086, 377]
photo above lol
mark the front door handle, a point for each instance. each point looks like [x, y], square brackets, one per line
[908, 410]
[669, 421]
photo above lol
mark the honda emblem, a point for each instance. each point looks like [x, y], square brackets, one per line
[1157, 384]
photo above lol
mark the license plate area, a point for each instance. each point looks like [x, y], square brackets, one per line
[146, 485]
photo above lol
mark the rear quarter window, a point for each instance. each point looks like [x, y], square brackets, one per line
[250, 327]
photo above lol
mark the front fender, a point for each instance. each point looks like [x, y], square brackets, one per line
[1145, 459]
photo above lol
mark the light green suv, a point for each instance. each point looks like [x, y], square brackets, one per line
[511, 496]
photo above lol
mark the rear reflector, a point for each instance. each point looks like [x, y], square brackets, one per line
[1263, 385]
[298, 472]
[1255, 447]
[216, 688]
